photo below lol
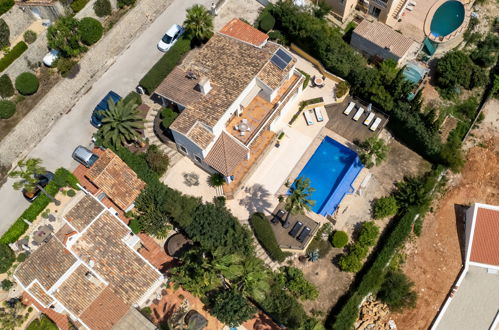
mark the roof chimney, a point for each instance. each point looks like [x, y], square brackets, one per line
[204, 85]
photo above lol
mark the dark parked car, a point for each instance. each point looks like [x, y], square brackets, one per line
[303, 235]
[278, 217]
[96, 119]
[296, 228]
[84, 156]
[43, 181]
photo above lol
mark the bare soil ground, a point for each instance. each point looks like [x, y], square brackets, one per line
[434, 260]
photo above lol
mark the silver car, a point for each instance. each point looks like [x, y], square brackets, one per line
[84, 156]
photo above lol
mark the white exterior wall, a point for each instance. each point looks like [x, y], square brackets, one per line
[192, 148]
[266, 92]
[470, 214]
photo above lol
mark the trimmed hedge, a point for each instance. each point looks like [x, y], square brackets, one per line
[133, 96]
[91, 30]
[138, 163]
[29, 37]
[264, 234]
[5, 5]
[165, 65]
[27, 83]
[62, 178]
[14, 53]
[168, 116]
[339, 239]
[78, 5]
[7, 258]
[7, 109]
[124, 3]
[102, 8]
[4, 34]
[6, 87]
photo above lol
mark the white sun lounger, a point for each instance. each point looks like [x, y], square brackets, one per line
[358, 114]
[369, 119]
[349, 108]
[318, 114]
[375, 125]
[308, 118]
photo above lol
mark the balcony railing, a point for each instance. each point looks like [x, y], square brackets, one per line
[380, 3]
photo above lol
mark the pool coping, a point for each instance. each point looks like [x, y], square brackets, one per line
[324, 132]
[453, 34]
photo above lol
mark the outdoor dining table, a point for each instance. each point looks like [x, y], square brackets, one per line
[318, 81]
[41, 235]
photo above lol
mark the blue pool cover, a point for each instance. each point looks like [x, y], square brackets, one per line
[414, 73]
[331, 171]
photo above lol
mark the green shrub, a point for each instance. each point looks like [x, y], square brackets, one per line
[78, 5]
[6, 87]
[396, 291]
[91, 30]
[133, 96]
[6, 285]
[65, 36]
[71, 193]
[5, 5]
[134, 226]
[293, 280]
[350, 263]
[340, 239]
[342, 88]
[368, 234]
[168, 116]
[385, 207]
[27, 83]
[231, 307]
[11, 56]
[157, 160]
[216, 180]
[102, 8]
[4, 34]
[21, 257]
[29, 37]
[124, 3]
[322, 246]
[264, 234]
[43, 323]
[14, 232]
[64, 65]
[7, 109]
[278, 37]
[267, 22]
[165, 65]
[64, 178]
[7, 257]
[138, 163]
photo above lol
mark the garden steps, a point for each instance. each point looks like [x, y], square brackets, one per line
[260, 253]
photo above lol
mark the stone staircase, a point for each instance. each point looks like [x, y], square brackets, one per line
[397, 11]
[171, 152]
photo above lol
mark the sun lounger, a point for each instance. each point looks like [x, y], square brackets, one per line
[308, 118]
[375, 124]
[318, 114]
[369, 119]
[358, 114]
[349, 108]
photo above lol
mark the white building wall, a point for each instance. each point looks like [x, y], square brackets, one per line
[192, 148]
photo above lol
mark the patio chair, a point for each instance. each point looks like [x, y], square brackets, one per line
[243, 133]
[318, 114]
[358, 114]
[308, 119]
[369, 119]
[349, 108]
[375, 124]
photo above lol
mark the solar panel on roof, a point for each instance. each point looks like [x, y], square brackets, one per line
[279, 62]
[283, 55]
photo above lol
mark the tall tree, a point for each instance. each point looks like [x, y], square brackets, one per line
[298, 200]
[27, 174]
[373, 151]
[199, 23]
[64, 35]
[120, 123]
[232, 308]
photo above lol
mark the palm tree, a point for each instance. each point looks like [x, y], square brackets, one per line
[373, 151]
[199, 23]
[27, 176]
[120, 123]
[298, 200]
[254, 281]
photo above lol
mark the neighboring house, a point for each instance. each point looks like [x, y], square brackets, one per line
[388, 12]
[43, 9]
[229, 94]
[90, 269]
[111, 180]
[375, 39]
[474, 300]
[342, 9]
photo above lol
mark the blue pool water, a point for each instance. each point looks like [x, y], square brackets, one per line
[331, 170]
[448, 17]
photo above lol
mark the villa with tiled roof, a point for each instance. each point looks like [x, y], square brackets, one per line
[89, 269]
[231, 94]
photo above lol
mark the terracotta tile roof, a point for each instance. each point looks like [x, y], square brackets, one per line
[226, 154]
[384, 36]
[272, 76]
[61, 320]
[485, 244]
[105, 311]
[39, 293]
[47, 264]
[230, 65]
[78, 291]
[86, 210]
[129, 276]
[244, 32]
[200, 135]
[178, 88]
[116, 179]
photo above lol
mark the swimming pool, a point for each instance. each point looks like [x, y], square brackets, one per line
[448, 17]
[331, 170]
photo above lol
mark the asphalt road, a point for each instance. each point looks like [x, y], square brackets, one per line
[74, 129]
